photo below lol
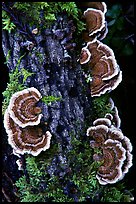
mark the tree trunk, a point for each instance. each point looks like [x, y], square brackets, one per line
[57, 73]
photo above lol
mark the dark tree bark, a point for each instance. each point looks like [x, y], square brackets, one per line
[56, 72]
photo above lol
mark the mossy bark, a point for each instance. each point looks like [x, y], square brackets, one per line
[57, 73]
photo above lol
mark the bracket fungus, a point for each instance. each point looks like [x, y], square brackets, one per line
[95, 20]
[105, 72]
[116, 149]
[22, 107]
[30, 139]
[102, 65]
[21, 122]
[99, 86]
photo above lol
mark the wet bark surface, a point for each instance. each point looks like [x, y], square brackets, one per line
[53, 60]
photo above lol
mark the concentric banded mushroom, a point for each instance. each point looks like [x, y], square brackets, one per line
[116, 150]
[100, 35]
[29, 140]
[95, 20]
[113, 157]
[98, 86]
[23, 107]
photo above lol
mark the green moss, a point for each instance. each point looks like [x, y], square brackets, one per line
[8, 56]
[101, 106]
[7, 24]
[25, 74]
[39, 56]
[116, 193]
[82, 175]
[49, 10]
[41, 187]
[49, 99]
[14, 85]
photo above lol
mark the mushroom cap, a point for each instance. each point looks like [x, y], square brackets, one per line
[98, 133]
[29, 140]
[95, 20]
[113, 157]
[99, 87]
[22, 107]
[102, 121]
[85, 56]
[100, 35]
[19, 164]
[98, 50]
[106, 67]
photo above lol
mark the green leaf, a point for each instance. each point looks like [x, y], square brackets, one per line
[115, 11]
[111, 22]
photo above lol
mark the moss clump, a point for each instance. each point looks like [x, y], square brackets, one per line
[7, 24]
[49, 99]
[78, 184]
[14, 84]
[43, 14]
[116, 193]
[101, 106]
[40, 187]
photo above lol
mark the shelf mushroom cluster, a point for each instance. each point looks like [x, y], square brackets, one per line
[101, 63]
[21, 121]
[115, 148]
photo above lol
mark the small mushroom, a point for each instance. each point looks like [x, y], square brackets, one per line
[95, 20]
[100, 35]
[19, 164]
[29, 140]
[99, 86]
[35, 31]
[98, 133]
[102, 121]
[113, 157]
[84, 56]
[23, 107]
[106, 67]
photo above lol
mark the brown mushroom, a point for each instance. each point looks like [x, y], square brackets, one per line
[106, 68]
[98, 50]
[99, 86]
[23, 107]
[100, 35]
[29, 140]
[113, 157]
[95, 20]
[116, 150]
